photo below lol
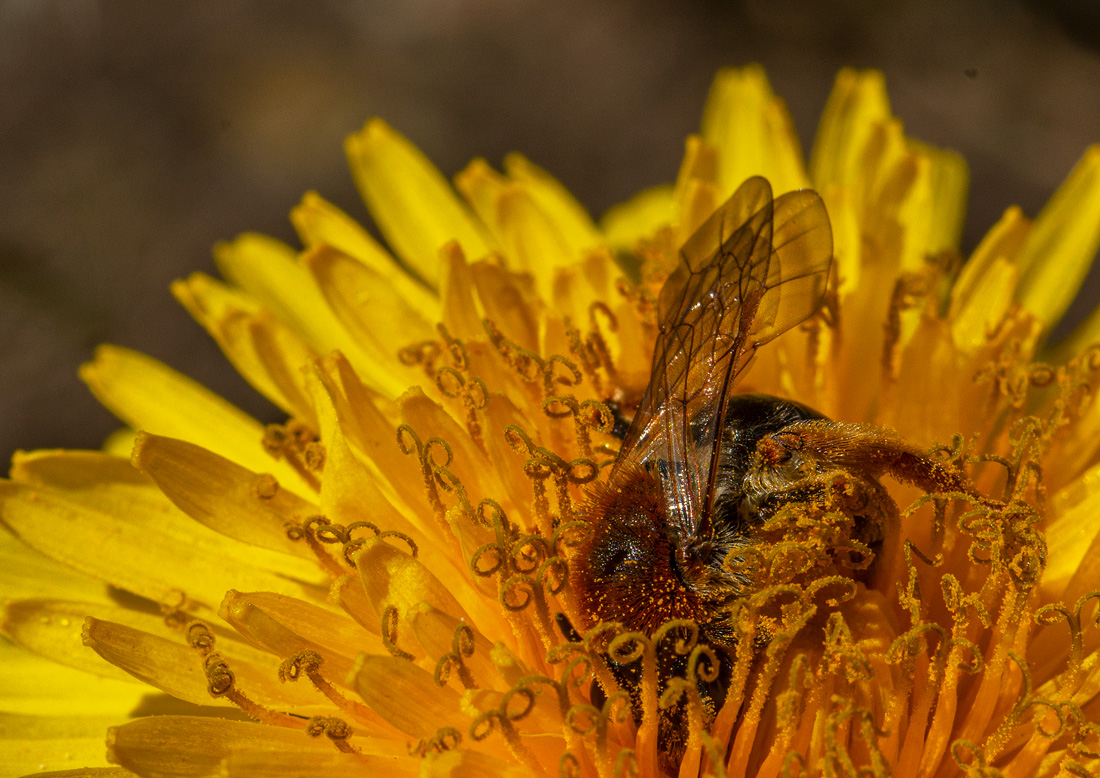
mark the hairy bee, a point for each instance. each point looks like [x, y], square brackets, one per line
[701, 468]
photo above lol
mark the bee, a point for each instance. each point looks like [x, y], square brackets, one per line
[702, 468]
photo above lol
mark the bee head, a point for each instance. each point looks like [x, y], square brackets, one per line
[627, 569]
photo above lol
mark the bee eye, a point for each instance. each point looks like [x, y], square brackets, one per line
[619, 557]
[615, 561]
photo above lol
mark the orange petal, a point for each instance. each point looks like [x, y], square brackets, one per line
[285, 626]
[280, 764]
[471, 764]
[460, 311]
[406, 696]
[196, 746]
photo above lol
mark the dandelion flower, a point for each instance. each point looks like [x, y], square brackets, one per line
[381, 584]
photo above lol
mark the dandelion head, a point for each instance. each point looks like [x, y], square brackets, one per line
[756, 476]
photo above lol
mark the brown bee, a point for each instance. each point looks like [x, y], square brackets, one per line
[700, 468]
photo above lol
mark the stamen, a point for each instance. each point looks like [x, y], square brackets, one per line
[474, 396]
[597, 343]
[335, 729]
[265, 487]
[462, 647]
[410, 444]
[568, 766]
[424, 354]
[532, 591]
[687, 689]
[586, 721]
[299, 445]
[221, 682]
[908, 289]
[502, 718]
[310, 530]
[309, 662]
[588, 416]
[390, 618]
[525, 362]
[174, 606]
[585, 356]
[446, 739]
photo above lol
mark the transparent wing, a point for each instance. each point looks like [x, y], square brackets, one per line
[754, 269]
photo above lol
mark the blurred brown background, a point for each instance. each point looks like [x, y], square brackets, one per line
[135, 134]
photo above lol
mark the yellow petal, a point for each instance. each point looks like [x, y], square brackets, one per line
[168, 665]
[410, 200]
[950, 179]
[894, 182]
[120, 442]
[1073, 541]
[37, 744]
[269, 271]
[365, 424]
[857, 103]
[406, 696]
[149, 395]
[986, 307]
[114, 486]
[1062, 243]
[847, 240]
[25, 572]
[752, 131]
[368, 306]
[262, 349]
[698, 200]
[319, 221]
[33, 686]
[569, 218]
[83, 772]
[52, 629]
[350, 492]
[226, 497]
[700, 163]
[196, 746]
[150, 553]
[697, 186]
[482, 187]
[639, 217]
[530, 240]
[1002, 242]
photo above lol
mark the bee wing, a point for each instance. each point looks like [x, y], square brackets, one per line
[753, 270]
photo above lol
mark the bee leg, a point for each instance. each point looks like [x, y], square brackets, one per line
[874, 451]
